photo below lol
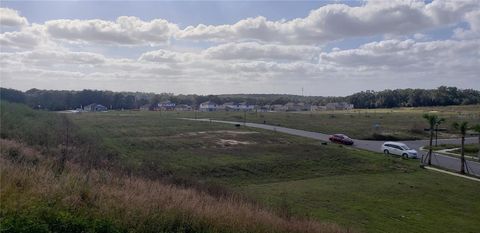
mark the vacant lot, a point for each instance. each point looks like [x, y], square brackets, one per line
[46, 186]
[400, 123]
[296, 176]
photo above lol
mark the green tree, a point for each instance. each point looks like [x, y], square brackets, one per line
[432, 120]
[462, 127]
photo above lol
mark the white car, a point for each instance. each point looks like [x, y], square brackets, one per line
[398, 148]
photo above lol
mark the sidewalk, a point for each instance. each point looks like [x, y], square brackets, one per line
[452, 173]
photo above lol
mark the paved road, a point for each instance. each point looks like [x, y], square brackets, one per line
[437, 160]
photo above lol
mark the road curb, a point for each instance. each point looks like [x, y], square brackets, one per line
[443, 152]
[452, 173]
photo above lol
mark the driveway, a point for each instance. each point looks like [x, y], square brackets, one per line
[439, 160]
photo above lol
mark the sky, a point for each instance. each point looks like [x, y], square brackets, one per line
[326, 48]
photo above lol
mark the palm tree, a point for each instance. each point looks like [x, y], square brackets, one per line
[462, 127]
[476, 128]
[433, 120]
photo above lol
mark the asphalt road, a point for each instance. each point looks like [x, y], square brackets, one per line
[439, 160]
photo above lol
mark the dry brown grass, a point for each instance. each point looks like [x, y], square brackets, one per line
[134, 203]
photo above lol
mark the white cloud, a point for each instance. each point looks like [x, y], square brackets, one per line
[11, 18]
[163, 55]
[410, 57]
[252, 55]
[258, 51]
[337, 21]
[328, 23]
[28, 38]
[473, 20]
[125, 30]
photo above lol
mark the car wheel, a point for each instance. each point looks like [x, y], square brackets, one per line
[386, 152]
[405, 155]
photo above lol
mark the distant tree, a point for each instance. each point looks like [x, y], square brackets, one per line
[12, 95]
[432, 120]
[60, 100]
[462, 128]
[129, 102]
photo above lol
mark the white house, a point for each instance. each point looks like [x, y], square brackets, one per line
[230, 106]
[208, 106]
[166, 105]
[95, 108]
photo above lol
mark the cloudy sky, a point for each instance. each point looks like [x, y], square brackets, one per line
[324, 47]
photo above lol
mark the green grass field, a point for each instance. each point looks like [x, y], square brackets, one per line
[297, 176]
[399, 123]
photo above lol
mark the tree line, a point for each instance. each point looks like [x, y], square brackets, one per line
[56, 100]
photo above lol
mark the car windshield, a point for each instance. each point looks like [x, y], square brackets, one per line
[405, 147]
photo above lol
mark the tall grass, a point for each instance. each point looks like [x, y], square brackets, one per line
[93, 193]
[33, 195]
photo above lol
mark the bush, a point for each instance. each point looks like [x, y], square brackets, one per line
[22, 224]
[53, 219]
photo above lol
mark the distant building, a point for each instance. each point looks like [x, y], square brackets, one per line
[265, 108]
[183, 107]
[208, 106]
[278, 108]
[297, 107]
[228, 106]
[339, 106]
[95, 108]
[237, 107]
[314, 108]
[166, 106]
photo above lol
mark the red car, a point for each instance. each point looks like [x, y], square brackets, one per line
[341, 138]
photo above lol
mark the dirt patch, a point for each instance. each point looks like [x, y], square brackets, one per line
[219, 138]
[231, 142]
[230, 132]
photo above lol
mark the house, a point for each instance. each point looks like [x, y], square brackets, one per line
[183, 107]
[208, 106]
[265, 108]
[297, 107]
[339, 106]
[228, 106]
[95, 108]
[244, 106]
[278, 108]
[314, 108]
[166, 106]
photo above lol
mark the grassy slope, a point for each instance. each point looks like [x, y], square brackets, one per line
[351, 187]
[403, 123]
[36, 196]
